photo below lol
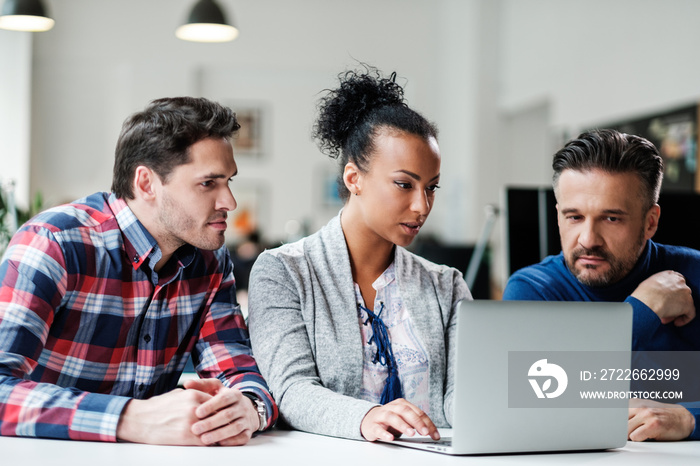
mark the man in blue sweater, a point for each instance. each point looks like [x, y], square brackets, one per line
[607, 186]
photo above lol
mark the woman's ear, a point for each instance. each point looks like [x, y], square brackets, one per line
[352, 177]
[144, 180]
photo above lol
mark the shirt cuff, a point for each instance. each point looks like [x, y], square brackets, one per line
[97, 417]
[694, 408]
[262, 395]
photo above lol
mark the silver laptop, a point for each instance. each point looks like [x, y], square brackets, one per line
[538, 376]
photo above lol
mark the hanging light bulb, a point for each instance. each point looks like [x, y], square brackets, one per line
[25, 15]
[206, 23]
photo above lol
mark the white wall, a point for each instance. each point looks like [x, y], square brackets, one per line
[89, 77]
[486, 71]
[599, 60]
[15, 99]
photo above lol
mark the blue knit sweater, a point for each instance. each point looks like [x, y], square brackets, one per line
[551, 280]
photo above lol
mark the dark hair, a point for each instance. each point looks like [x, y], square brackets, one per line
[159, 137]
[354, 113]
[613, 152]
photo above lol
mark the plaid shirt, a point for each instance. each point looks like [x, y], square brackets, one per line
[86, 323]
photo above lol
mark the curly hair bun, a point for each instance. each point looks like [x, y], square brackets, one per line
[345, 109]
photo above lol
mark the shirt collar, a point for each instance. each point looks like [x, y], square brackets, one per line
[139, 244]
[388, 276]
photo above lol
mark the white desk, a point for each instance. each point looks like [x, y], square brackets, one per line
[288, 448]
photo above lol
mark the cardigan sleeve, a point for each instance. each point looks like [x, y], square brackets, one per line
[460, 291]
[283, 350]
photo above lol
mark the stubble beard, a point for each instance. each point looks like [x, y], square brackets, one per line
[176, 222]
[618, 269]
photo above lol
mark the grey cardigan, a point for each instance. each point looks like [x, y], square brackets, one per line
[306, 336]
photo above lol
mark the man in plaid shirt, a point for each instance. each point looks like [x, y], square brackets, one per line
[103, 300]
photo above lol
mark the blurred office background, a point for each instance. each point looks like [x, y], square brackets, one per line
[506, 81]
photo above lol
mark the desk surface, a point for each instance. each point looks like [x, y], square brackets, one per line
[298, 448]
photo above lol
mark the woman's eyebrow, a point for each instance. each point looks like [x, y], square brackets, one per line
[415, 175]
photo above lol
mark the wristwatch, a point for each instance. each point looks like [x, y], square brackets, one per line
[261, 410]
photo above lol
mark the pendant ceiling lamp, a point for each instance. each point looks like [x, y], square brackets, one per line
[206, 23]
[25, 15]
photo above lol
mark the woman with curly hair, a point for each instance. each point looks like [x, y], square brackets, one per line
[354, 334]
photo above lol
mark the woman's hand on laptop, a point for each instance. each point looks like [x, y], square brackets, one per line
[393, 419]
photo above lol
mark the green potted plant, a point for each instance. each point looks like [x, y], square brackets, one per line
[5, 233]
[7, 220]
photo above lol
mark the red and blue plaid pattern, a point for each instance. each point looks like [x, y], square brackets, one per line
[86, 323]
